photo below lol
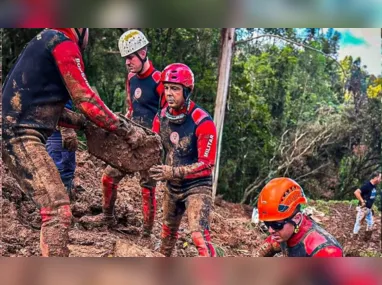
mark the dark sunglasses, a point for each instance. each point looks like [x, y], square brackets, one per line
[277, 226]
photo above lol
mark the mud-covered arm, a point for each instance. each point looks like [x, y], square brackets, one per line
[69, 62]
[268, 248]
[72, 120]
[129, 104]
[206, 143]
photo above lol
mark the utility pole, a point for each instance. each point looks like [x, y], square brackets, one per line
[226, 51]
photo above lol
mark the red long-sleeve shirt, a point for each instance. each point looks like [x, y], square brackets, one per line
[49, 72]
[191, 146]
[310, 241]
[69, 62]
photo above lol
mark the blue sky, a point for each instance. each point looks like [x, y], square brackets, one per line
[364, 43]
[359, 42]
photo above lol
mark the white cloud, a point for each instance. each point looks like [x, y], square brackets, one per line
[370, 53]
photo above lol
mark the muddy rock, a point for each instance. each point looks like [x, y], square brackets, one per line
[128, 249]
[119, 152]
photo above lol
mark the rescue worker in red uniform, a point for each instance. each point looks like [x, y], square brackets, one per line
[188, 135]
[49, 72]
[291, 232]
[143, 100]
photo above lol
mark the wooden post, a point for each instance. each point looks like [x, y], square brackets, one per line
[226, 51]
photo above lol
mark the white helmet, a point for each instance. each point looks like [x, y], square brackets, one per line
[131, 41]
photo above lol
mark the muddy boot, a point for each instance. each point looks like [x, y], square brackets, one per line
[167, 245]
[109, 191]
[148, 210]
[168, 241]
[54, 235]
[368, 235]
[100, 220]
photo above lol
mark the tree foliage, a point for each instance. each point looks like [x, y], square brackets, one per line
[291, 111]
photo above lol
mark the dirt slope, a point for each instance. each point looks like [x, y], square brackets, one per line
[232, 232]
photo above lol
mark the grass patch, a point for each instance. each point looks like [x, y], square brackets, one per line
[324, 206]
[368, 253]
[220, 252]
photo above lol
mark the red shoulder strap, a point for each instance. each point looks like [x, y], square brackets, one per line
[198, 115]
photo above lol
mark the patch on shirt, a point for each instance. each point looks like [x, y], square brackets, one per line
[174, 138]
[137, 93]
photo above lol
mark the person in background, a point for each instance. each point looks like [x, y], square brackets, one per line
[143, 100]
[366, 196]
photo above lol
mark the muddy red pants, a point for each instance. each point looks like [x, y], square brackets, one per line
[110, 181]
[29, 162]
[197, 202]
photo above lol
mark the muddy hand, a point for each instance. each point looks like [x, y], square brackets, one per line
[161, 172]
[69, 139]
[124, 127]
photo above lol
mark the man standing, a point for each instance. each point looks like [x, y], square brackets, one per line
[62, 146]
[189, 138]
[366, 196]
[291, 232]
[49, 72]
[143, 99]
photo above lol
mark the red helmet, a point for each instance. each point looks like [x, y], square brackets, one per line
[178, 73]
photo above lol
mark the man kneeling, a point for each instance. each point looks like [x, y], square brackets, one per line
[291, 232]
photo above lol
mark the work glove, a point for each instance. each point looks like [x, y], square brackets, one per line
[124, 126]
[134, 135]
[165, 172]
[69, 139]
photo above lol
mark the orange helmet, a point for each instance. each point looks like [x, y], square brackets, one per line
[279, 199]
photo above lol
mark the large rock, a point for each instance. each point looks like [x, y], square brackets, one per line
[125, 248]
[118, 152]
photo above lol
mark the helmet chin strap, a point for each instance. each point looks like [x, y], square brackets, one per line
[179, 119]
[143, 61]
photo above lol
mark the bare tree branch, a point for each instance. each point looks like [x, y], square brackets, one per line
[292, 42]
[313, 171]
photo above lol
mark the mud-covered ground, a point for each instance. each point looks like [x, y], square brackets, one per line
[339, 220]
[232, 231]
